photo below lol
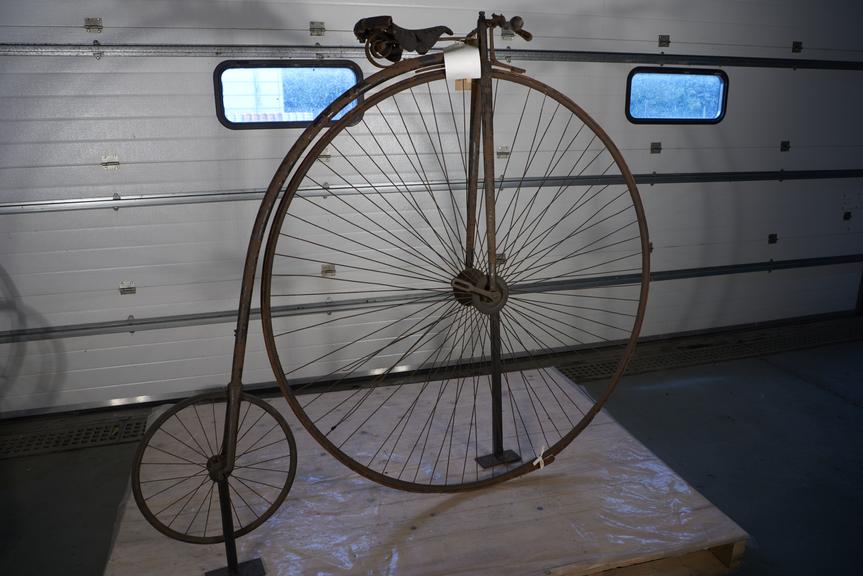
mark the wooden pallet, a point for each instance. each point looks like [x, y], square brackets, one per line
[607, 506]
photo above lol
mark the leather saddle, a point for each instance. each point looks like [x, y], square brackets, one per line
[387, 40]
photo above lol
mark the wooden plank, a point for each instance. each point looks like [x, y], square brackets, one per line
[701, 563]
[730, 554]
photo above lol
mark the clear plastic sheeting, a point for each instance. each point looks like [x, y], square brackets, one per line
[605, 502]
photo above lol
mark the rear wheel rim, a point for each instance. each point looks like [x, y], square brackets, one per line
[170, 481]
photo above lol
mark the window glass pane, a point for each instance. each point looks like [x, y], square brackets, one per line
[264, 95]
[660, 95]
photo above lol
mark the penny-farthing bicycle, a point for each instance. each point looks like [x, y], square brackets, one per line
[443, 234]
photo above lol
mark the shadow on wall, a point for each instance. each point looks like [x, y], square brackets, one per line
[41, 387]
[236, 162]
[714, 233]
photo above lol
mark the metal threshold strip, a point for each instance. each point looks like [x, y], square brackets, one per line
[225, 316]
[275, 51]
[668, 353]
[117, 202]
[56, 435]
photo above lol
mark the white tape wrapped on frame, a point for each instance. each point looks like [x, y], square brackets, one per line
[462, 62]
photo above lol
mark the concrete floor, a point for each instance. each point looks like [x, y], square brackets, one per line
[57, 511]
[776, 442]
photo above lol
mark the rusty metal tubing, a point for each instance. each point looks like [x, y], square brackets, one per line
[228, 526]
[486, 112]
[483, 28]
[229, 439]
[473, 174]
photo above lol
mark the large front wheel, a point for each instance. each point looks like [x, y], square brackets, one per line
[382, 332]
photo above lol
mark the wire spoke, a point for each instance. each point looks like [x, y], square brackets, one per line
[395, 287]
[436, 306]
[392, 209]
[203, 429]
[156, 448]
[362, 268]
[192, 436]
[448, 228]
[175, 484]
[249, 506]
[414, 202]
[244, 480]
[264, 435]
[355, 241]
[192, 492]
[425, 331]
[262, 447]
[196, 451]
[272, 459]
[252, 490]
[198, 511]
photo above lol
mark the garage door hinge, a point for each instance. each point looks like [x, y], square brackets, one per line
[93, 25]
[110, 162]
[317, 28]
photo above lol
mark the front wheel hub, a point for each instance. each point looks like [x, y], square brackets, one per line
[494, 303]
[473, 288]
[468, 276]
[215, 468]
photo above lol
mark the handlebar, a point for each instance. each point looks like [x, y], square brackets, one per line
[514, 24]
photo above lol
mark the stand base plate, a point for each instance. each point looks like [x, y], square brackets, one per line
[253, 567]
[506, 457]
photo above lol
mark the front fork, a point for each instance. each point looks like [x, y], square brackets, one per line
[486, 113]
[229, 438]
[481, 122]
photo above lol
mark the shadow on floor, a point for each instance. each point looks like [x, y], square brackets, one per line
[775, 442]
[58, 510]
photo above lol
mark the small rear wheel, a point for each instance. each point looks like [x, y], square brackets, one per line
[171, 481]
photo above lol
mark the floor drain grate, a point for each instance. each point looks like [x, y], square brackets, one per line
[718, 347]
[72, 435]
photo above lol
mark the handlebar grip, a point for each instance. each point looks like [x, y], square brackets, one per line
[515, 24]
